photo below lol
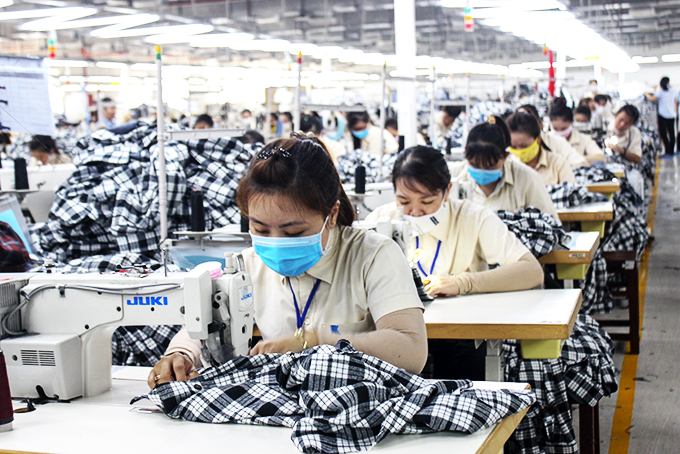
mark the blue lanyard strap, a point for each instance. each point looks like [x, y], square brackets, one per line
[301, 317]
[436, 255]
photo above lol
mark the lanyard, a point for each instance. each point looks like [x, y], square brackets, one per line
[301, 317]
[436, 255]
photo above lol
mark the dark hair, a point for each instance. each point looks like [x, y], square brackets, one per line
[311, 123]
[559, 110]
[43, 143]
[5, 138]
[487, 142]
[246, 110]
[584, 110]
[599, 98]
[424, 166]
[453, 111]
[107, 99]
[204, 118]
[585, 102]
[300, 169]
[530, 109]
[356, 117]
[252, 137]
[527, 124]
[631, 111]
[392, 123]
[592, 80]
[273, 115]
[287, 114]
[664, 83]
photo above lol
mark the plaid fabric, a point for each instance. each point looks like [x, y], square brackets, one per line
[335, 399]
[479, 112]
[141, 345]
[585, 175]
[348, 163]
[13, 253]
[585, 372]
[539, 232]
[567, 195]
[110, 204]
[597, 298]
[628, 230]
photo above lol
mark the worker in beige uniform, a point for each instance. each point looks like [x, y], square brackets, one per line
[316, 279]
[625, 138]
[518, 185]
[528, 146]
[561, 120]
[454, 243]
[362, 135]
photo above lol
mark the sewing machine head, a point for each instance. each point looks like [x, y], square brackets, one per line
[68, 320]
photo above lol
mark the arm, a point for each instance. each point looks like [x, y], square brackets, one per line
[593, 152]
[651, 97]
[633, 152]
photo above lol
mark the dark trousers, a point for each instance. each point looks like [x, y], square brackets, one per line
[667, 133]
[455, 359]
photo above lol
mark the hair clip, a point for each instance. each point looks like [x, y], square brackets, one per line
[491, 120]
[266, 154]
[302, 135]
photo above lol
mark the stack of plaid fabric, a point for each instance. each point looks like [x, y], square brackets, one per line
[335, 399]
[538, 231]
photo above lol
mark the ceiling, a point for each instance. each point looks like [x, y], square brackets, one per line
[638, 27]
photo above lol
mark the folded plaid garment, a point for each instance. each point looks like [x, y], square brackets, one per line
[538, 231]
[348, 163]
[335, 399]
[585, 372]
[567, 195]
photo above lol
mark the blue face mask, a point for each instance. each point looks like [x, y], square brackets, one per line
[360, 134]
[484, 177]
[290, 256]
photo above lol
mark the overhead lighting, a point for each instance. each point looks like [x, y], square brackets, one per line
[4, 3]
[264, 45]
[219, 39]
[645, 60]
[111, 64]
[518, 5]
[124, 22]
[69, 63]
[143, 67]
[72, 12]
[117, 32]
[669, 58]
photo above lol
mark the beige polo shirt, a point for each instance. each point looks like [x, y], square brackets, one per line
[472, 237]
[560, 146]
[631, 140]
[586, 146]
[520, 186]
[371, 142]
[552, 168]
[364, 277]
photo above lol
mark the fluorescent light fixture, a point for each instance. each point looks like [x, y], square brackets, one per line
[60, 22]
[71, 79]
[124, 22]
[220, 39]
[110, 64]
[143, 67]
[74, 12]
[68, 63]
[4, 3]
[304, 48]
[645, 60]
[197, 81]
[264, 45]
[669, 58]
[126, 32]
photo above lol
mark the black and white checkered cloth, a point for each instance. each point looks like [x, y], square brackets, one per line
[335, 399]
[538, 231]
[628, 229]
[585, 175]
[348, 163]
[141, 345]
[585, 372]
[597, 298]
[567, 195]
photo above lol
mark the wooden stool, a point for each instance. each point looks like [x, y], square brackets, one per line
[624, 263]
[588, 428]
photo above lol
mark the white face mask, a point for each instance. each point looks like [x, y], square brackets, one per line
[426, 223]
[593, 87]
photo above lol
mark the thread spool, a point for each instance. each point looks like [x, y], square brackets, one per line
[402, 143]
[360, 180]
[197, 211]
[448, 145]
[6, 408]
[20, 174]
[245, 227]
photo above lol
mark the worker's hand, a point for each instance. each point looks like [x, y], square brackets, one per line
[441, 285]
[283, 344]
[174, 367]
[617, 149]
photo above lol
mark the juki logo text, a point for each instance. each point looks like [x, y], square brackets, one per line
[148, 301]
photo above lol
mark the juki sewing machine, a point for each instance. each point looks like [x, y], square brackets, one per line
[68, 320]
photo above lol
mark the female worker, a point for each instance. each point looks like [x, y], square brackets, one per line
[667, 99]
[528, 146]
[455, 240]
[316, 279]
[363, 135]
[561, 120]
[625, 138]
[502, 183]
[44, 151]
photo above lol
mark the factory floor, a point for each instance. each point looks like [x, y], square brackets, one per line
[644, 416]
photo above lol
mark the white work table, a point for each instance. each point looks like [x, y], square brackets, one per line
[107, 423]
[540, 319]
[574, 261]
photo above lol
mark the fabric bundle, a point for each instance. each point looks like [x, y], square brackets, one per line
[538, 231]
[109, 206]
[479, 112]
[348, 163]
[335, 399]
[585, 372]
[568, 195]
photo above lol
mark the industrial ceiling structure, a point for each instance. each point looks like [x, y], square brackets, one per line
[354, 33]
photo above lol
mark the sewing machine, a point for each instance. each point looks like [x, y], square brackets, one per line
[397, 229]
[69, 320]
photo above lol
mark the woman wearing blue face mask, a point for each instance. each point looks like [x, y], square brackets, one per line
[362, 135]
[455, 240]
[316, 279]
[499, 183]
